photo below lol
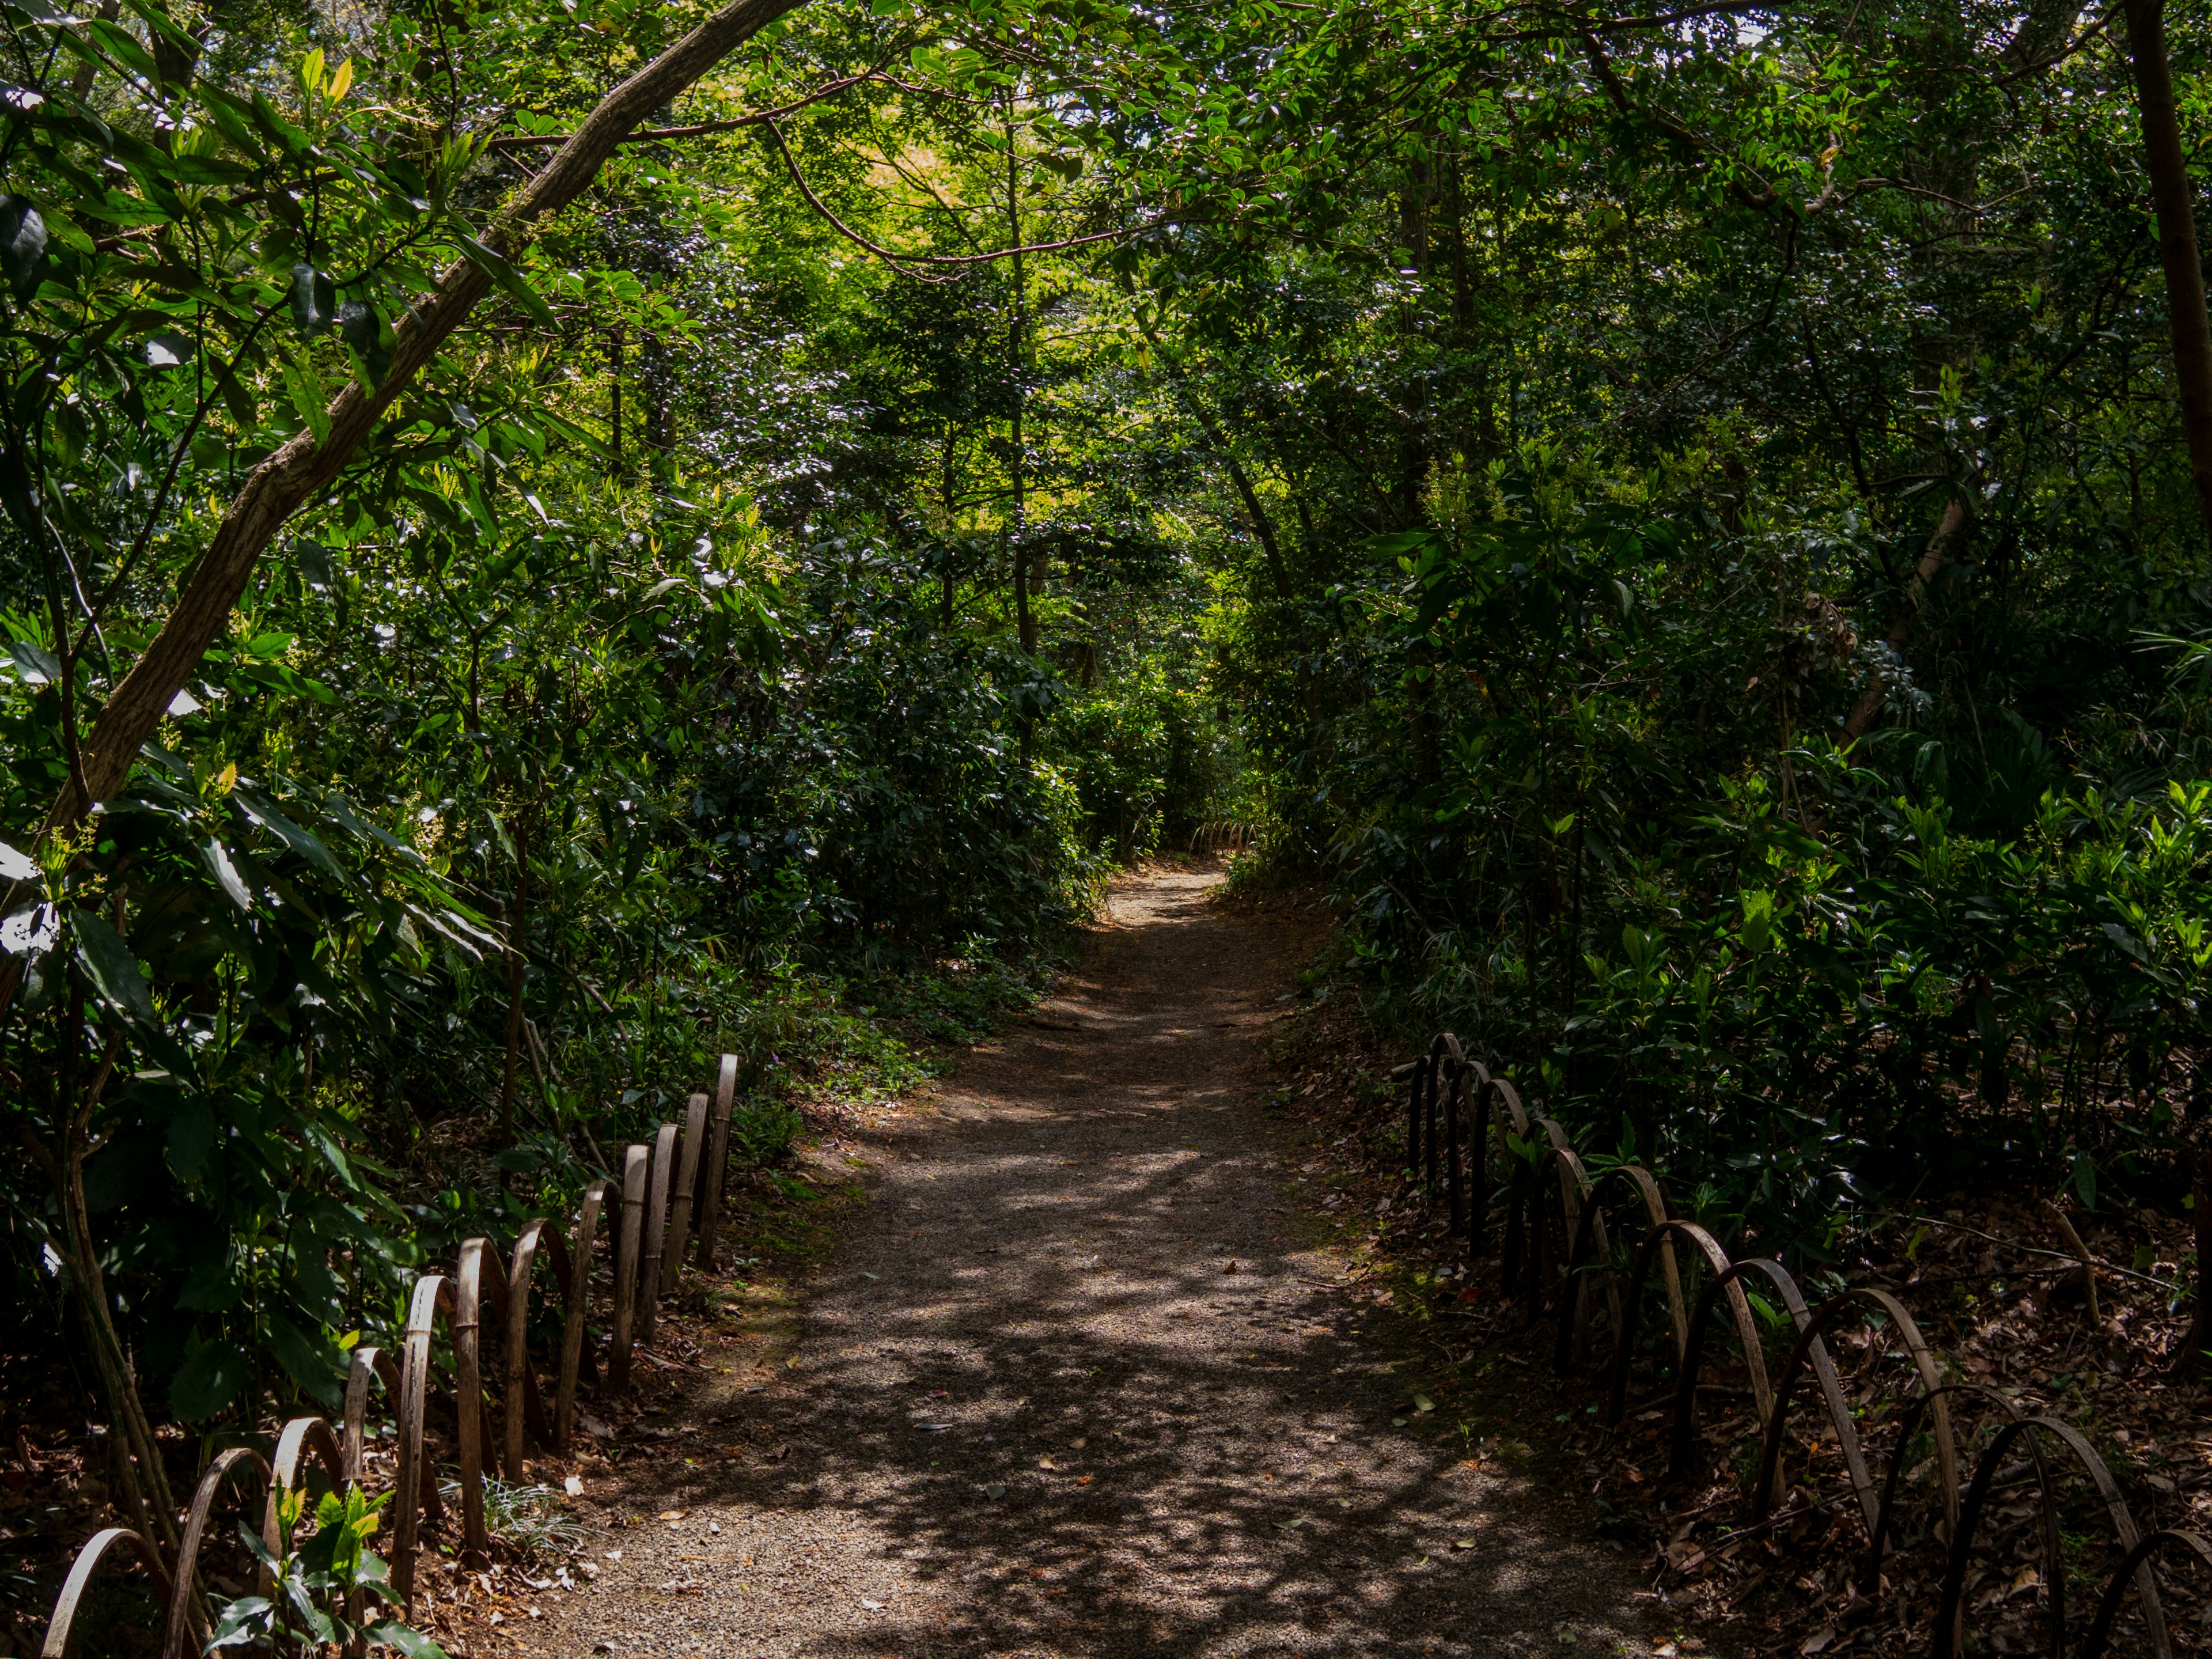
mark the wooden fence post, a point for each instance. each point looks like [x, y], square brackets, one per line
[635, 1159]
[716, 1168]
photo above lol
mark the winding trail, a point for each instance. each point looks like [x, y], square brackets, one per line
[1072, 1386]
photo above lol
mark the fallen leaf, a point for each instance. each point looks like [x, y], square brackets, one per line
[1085, 1480]
[1819, 1640]
[573, 1486]
[1047, 1463]
[1462, 1543]
[1423, 1403]
[873, 1607]
[674, 1515]
[996, 1489]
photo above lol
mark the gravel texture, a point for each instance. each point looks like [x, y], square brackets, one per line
[1072, 1386]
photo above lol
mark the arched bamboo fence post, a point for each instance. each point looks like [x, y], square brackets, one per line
[89, 1560]
[627, 1242]
[471, 1286]
[656, 1232]
[680, 1194]
[523, 1407]
[716, 1172]
[573, 1328]
[433, 1295]
[185, 1613]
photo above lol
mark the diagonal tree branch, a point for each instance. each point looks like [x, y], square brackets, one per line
[698, 130]
[281, 484]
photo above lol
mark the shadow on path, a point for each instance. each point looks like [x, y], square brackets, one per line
[1072, 1389]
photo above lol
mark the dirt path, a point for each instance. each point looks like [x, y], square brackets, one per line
[1073, 1387]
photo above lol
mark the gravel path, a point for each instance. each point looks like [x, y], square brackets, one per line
[1072, 1388]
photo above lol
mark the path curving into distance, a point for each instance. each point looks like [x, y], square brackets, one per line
[1037, 1415]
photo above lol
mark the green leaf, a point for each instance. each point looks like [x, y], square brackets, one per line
[226, 874]
[305, 843]
[309, 400]
[314, 302]
[369, 342]
[307, 1363]
[116, 977]
[192, 1136]
[259, 1548]
[22, 246]
[15, 865]
[244, 1623]
[213, 1375]
[212, 1286]
[390, 1633]
[314, 562]
[34, 664]
[507, 277]
[235, 398]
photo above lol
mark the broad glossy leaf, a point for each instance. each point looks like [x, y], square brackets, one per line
[306, 844]
[212, 1286]
[411, 1643]
[314, 302]
[22, 246]
[114, 972]
[314, 562]
[226, 874]
[212, 1376]
[31, 930]
[191, 1137]
[507, 277]
[169, 349]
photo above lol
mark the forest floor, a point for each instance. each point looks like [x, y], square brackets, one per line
[1076, 1376]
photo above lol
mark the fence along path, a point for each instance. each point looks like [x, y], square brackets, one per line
[1471, 1141]
[683, 1169]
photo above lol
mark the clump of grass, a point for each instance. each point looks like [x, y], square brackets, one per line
[528, 1520]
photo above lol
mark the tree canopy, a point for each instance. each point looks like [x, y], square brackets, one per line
[547, 541]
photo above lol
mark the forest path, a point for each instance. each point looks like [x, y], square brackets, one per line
[1072, 1388]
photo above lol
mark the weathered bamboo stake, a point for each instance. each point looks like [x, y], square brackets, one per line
[572, 1328]
[679, 1203]
[471, 1286]
[635, 1159]
[519, 1395]
[656, 1230]
[432, 1294]
[712, 1176]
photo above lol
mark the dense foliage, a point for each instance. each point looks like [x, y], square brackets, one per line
[1683, 522]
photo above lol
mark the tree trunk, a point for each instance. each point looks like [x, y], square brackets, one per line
[1017, 351]
[2168, 163]
[518, 918]
[147, 1488]
[1951, 532]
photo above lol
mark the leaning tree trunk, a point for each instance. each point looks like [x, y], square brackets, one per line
[2168, 163]
[285, 482]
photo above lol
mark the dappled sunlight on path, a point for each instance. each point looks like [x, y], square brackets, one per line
[1072, 1388]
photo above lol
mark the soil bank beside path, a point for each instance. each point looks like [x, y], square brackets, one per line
[1071, 1386]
